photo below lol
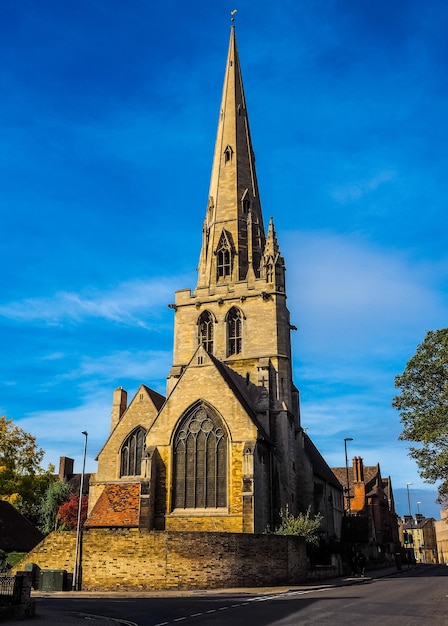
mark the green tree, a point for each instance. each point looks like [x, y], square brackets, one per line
[301, 525]
[22, 480]
[423, 406]
[56, 494]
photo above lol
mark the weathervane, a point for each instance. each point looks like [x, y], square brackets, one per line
[232, 13]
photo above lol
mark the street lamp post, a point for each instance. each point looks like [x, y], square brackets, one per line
[409, 503]
[418, 507]
[410, 514]
[346, 473]
[78, 526]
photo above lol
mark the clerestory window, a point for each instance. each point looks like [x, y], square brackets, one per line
[205, 331]
[234, 331]
[132, 453]
[200, 461]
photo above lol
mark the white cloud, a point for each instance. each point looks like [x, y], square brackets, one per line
[59, 432]
[356, 190]
[128, 303]
[358, 295]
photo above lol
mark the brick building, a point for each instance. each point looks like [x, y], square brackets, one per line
[225, 450]
[370, 518]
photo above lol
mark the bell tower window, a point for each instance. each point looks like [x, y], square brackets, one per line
[132, 453]
[234, 331]
[200, 461]
[205, 331]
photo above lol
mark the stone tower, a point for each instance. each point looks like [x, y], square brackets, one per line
[225, 450]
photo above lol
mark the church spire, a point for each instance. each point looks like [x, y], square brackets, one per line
[233, 234]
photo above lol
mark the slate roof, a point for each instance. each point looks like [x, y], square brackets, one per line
[320, 467]
[17, 534]
[236, 384]
[117, 506]
[157, 398]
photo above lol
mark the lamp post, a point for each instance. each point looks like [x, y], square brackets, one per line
[346, 474]
[78, 526]
[410, 514]
[409, 503]
[418, 507]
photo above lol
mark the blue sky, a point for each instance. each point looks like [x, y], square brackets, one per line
[108, 118]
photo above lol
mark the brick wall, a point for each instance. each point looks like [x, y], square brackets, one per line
[131, 559]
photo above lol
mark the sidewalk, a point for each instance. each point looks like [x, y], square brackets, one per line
[46, 616]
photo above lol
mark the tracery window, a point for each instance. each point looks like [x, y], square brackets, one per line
[200, 461]
[132, 453]
[234, 331]
[205, 331]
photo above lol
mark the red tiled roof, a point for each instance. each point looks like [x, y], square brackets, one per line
[118, 505]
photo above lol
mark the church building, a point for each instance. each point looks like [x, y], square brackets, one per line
[225, 450]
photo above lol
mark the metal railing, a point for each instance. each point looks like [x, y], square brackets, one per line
[10, 589]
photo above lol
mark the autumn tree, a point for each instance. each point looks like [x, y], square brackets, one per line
[423, 406]
[68, 512]
[22, 480]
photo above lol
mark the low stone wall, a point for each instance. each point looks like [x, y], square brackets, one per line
[135, 560]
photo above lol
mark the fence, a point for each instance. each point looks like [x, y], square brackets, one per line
[10, 589]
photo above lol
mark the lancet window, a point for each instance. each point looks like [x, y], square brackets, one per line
[228, 154]
[200, 461]
[132, 453]
[223, 257]
[205, 331]
[234, 331]
[245, 202]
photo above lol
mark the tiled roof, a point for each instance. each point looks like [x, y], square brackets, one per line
[371, 474]
[320, 467]
[117, 506]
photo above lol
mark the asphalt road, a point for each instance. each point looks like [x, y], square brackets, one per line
[419, 596]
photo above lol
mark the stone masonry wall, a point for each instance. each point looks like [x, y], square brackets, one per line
[135, 560]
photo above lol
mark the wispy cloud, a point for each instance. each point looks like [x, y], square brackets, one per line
[349, 293]
[129, 303]
[59, 432]
[357, 189]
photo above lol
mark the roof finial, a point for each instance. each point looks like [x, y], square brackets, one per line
[232, 13]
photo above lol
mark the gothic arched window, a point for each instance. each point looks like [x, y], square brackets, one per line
[234, 331]
[223, 257]
[205, 331]
[200, 461]
[132, 453]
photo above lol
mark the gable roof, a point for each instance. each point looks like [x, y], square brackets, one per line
[17, 534]
[234, 381]
[371, 476]
[117, 506]
[238, 386]
[156, 398]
